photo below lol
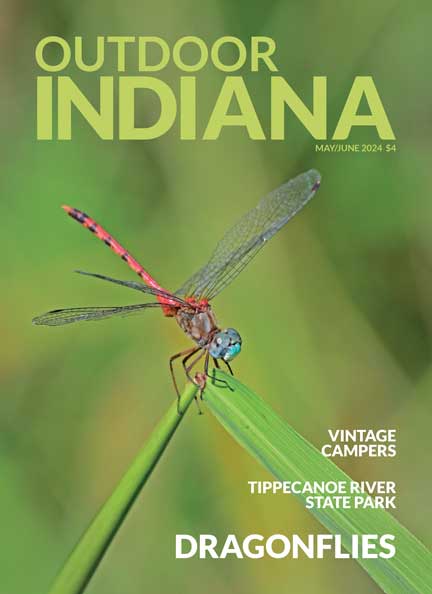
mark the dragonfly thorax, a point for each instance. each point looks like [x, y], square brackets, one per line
[200, 325]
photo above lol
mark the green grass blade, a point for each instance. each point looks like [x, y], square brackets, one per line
[289, 457]
[86, 556]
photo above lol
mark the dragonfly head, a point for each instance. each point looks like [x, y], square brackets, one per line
[225, 344]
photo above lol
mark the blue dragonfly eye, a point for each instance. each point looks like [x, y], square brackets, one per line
[225, 344]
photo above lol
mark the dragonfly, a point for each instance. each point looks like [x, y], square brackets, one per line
[190, 305]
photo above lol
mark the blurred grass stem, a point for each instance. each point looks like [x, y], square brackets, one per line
[85, 558]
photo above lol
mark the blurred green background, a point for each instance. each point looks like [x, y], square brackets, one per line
[335, 313]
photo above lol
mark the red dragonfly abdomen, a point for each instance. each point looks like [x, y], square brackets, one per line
[117, 248]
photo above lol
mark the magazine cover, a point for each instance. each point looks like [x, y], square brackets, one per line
[216, 312]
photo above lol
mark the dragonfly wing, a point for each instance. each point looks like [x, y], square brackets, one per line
[241, 243]
[137, 286]
[59, 317]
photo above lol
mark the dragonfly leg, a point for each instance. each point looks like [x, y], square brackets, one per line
[229, 366]
[200, 378]
[188, 369]
[203, 377]
[217, 379]
[171, 364]
[196, 380]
